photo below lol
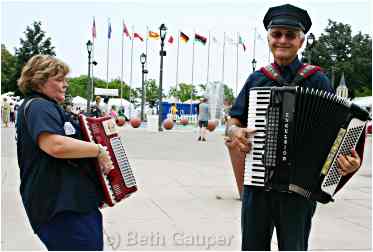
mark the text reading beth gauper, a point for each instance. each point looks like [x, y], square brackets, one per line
[156, 239]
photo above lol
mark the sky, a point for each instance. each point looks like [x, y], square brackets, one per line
[69, 24]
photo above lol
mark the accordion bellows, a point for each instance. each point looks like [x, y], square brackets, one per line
[300, 133]
[120, 182]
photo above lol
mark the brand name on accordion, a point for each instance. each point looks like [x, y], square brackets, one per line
[286, 134]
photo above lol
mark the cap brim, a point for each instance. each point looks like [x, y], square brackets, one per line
[285, 22]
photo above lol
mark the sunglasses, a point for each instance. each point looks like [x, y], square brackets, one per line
[289, 35]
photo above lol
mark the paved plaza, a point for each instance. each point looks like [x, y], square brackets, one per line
[187, 199]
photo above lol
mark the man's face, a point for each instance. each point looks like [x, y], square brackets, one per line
[284, 44]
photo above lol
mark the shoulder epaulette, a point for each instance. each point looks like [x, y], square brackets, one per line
[304, 72]
[272, 73]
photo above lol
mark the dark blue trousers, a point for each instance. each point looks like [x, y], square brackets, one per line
[289, 213]
[73, 231]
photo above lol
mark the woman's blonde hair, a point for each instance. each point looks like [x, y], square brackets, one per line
[38, 70]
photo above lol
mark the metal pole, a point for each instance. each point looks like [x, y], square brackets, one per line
[142, 94]
[89, 82]
[191, 91]
[238, 38]
[333, 76]
[160, 89]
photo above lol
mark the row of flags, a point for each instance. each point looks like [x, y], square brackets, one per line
[156, 36]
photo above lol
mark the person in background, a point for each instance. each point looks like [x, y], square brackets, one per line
[113, 112]
[173, 111]
[12, 118]
[203, 118]
[96, 110]
[5, 112]
[59, 186]
[263, 210]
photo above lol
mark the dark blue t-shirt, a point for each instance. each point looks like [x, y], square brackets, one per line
[50, 185]
[240, 107]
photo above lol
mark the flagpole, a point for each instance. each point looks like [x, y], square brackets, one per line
[191, 91]
[177, 60]
[238, 38]
[222, 75]
[107, 54]
[146, 62]
[93, 58]
[129, 96]
[254, 43]
[208, 59]
[122, 70]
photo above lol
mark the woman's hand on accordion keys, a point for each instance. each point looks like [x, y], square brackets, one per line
[104, 159]
[349, 163]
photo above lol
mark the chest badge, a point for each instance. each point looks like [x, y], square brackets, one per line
[69, 129]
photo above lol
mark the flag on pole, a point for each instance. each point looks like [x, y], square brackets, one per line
[125, 30]
[200, 38]
[94, 29]
[183, 37]
[136, 35]
[109, 31]
[240, 41]
[171, 39]
[153, 35]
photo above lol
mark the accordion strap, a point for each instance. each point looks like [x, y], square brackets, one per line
[271, 72]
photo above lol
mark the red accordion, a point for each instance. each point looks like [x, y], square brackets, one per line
[120, 182]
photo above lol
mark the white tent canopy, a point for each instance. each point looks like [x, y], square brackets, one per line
[79, 102]
[128, 107]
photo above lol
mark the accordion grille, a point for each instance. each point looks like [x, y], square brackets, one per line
[121, 157]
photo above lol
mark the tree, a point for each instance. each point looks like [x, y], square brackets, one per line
[151, 91]
[354, 56]
[228, 94]
[8, 69]
[184, 92]
[78, 87]
[35, 42]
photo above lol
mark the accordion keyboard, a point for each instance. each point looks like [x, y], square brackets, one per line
[354, 130]
[254, 167]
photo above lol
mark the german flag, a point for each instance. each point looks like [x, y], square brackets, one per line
[183, 37]
[153, 35]
[200, 38]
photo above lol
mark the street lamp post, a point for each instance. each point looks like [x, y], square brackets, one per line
[89, 88]
[334, 58]
[144, 71]
[253, 63]
[310, 41]
[162, 32]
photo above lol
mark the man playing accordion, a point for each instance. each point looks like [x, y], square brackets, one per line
[262, 210]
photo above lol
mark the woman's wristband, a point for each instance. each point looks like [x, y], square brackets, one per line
[101, 150]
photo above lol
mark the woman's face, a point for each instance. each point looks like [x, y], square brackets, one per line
[55, 88]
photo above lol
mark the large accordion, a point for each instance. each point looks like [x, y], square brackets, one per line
[120, 182]
[299, 134]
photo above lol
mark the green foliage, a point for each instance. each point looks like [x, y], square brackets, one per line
[35, 42]
[8, 69]
[152, 91]
[354, 57]
[184, 92]
[228, 94]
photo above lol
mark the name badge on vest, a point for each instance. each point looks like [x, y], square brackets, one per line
[69, 129]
